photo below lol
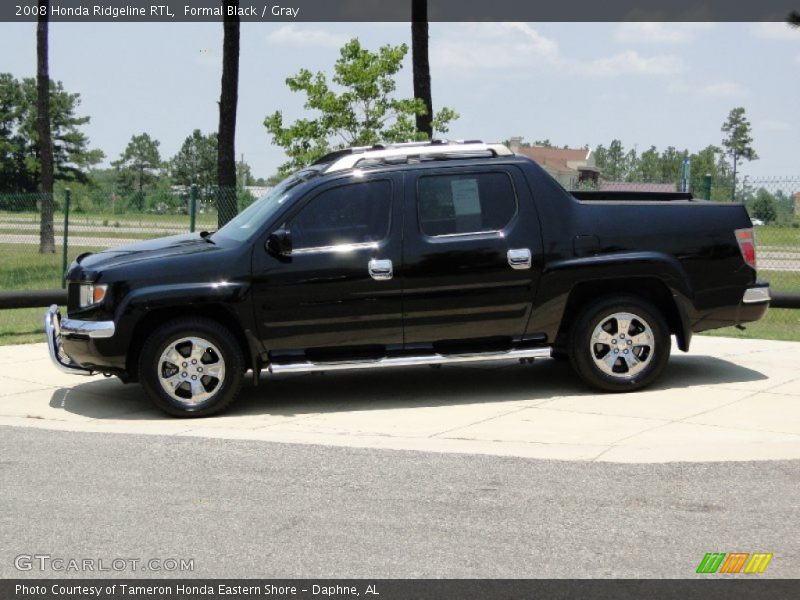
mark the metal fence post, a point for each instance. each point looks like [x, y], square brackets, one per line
[67, 197]
[192, 207]
[707, 187]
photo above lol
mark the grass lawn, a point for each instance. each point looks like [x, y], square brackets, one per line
[21, 326]
[22, 267]
[780, 237]
[781, 281]
[777, 324]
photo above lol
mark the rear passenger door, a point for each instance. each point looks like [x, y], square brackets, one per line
[471, 256]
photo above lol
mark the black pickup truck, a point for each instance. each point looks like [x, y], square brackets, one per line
[411, 254]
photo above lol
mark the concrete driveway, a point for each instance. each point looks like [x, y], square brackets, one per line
[727, 400]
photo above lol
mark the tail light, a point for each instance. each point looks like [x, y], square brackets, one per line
[747, 245]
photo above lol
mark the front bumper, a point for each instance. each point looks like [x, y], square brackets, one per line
[55, 327]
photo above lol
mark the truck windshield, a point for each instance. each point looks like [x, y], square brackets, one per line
[247, 222]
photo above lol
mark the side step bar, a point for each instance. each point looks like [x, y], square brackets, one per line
[408, 361]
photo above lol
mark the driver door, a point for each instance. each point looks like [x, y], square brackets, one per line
[338, 293]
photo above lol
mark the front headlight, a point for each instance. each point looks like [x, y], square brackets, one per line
[91, 293]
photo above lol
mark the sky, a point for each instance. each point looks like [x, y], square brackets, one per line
[662, 84]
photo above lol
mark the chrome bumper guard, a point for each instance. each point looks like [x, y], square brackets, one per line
[55, 326]
[755, 295]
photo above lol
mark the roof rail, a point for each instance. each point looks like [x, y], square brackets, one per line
[392, 153]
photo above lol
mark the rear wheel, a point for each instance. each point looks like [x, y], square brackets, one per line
[620, 344]
[191, 367]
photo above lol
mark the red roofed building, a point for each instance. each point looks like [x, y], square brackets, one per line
[568, 166]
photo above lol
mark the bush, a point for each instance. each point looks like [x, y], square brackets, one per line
[763, 207]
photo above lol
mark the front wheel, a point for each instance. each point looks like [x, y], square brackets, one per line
[191, 367]
[620, 344]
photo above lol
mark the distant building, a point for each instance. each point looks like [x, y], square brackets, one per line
[569, 166]
[257, 190]
[635, 186]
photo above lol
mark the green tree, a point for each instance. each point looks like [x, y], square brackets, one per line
[738, 141]
[611, 161]
[630, 165]
[363, 111]
[139, 164]
[763, 207]
[649, 166]
[72, 157]
[196, 162]
[20, 158]
[244, 174]
[671, 162]
[13, 175]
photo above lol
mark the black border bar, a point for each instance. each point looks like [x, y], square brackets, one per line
[712, 588]
[400, 10]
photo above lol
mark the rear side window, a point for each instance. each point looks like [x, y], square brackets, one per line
[468, 203]
[350, 214]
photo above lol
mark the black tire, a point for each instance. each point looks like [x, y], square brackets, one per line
[650, 357]
[224, 347]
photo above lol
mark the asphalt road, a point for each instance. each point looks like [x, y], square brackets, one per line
[258, 509]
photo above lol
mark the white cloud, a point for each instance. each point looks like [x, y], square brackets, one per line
[492, 46]
[659, 33]
[724, 89]
[630, 61]
[507, 46]
[719, 89]
[775, 31]
[773, 125]
[290, 35]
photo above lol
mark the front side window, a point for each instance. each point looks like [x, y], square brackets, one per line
[468, 203]
[356, 213]
[251, 219]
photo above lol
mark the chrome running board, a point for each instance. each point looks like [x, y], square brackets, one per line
[408, 361]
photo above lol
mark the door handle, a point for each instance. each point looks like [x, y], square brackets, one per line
[519, 258]
[381, 269]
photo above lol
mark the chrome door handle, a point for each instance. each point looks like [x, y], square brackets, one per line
[381, 269]
[519, 258]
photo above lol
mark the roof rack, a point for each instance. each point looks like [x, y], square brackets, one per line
[342, 160]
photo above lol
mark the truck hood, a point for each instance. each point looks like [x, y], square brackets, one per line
[172, 246]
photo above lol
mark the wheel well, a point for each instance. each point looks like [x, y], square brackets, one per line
[156, 318]
[653, 290]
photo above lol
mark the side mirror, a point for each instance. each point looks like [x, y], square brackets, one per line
[279, 243]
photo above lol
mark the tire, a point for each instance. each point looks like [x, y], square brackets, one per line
[201, 388]
[610, 359]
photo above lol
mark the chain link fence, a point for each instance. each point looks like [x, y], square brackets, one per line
[91, 219]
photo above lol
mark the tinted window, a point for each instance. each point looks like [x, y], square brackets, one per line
[349, 214]
[467, 203]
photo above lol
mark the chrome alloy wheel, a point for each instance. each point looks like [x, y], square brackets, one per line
[622, 345]
[191, 370]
